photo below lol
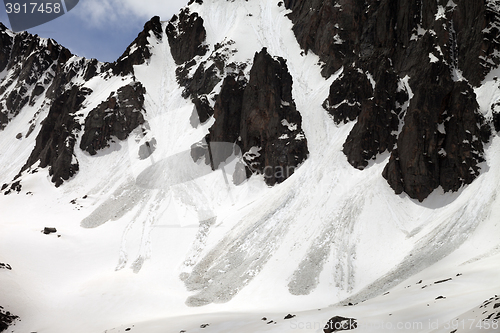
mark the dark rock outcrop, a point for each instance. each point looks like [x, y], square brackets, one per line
[200, 86]
[441, 143]
[378, 122]
[260, 116]
[186, 36]
[433, 49]
[49, 230]
[270, 120]
[138, 52]
[347, 94]
[115, 117]
[328, 28]
[227, 126]
[338, 323]
[5, 266]
[6, 319]
[495, 110]
[32, 66]
[56, 140]
[6, 42]
[41, 70]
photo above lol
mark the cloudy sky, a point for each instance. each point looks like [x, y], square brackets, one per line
[103, 29]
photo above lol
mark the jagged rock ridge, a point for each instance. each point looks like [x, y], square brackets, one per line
[186, 35]
[28, 68]
[268, 133]
[434, 50]
[39, 69]
[138, 52]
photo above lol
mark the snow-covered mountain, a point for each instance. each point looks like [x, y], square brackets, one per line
[257, 166]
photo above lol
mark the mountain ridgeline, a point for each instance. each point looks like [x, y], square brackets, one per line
[406, 72]
[402, 76]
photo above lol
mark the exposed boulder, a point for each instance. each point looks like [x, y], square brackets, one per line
[339, 323]
[116, 117]
[49, 230]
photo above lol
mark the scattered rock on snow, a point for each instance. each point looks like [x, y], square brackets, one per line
[6, 319]
[48, 231]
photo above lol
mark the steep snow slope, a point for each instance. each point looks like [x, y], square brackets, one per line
[161, 244]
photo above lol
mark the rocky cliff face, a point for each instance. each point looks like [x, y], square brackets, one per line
[253, 109]
[6, 319]
[139, 51]
[115, 117]
[260, 116]
[186, 35]
[408, 68]
[41, 73]
[31, 65]
[406, 72]
[270, 122]
[251, 103]
[56, 140]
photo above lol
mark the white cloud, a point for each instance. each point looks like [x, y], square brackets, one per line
[104, 12]
[150, 8]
